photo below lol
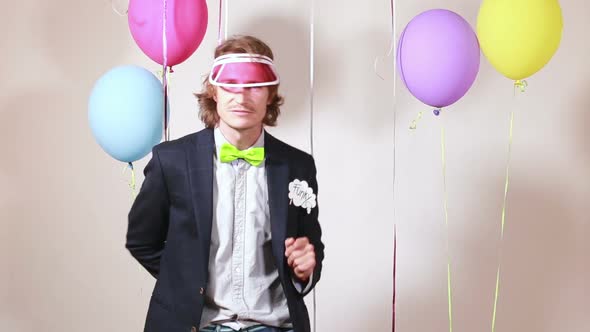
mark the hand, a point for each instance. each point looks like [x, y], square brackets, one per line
[300, 257]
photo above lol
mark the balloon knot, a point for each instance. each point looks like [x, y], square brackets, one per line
[521, 84]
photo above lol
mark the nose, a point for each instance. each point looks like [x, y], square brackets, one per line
[239, 97]
[242, 94]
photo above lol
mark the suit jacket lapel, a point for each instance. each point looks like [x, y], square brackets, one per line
[277, 174]
[200, 152]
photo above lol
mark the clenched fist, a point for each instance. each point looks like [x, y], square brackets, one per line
[300, 257]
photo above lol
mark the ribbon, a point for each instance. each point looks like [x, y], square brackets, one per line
[445, 199]
[117, 10]
[311, 95]
[521, 84]
[165, 71]
[221, 22]
[131, 183]
[506, 184]
[414, 123]
[392, 43]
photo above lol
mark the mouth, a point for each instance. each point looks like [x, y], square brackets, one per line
[241, 112]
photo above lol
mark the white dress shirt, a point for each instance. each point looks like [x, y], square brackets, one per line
[244, 288]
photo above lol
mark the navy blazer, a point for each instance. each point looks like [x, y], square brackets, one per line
[169, 229]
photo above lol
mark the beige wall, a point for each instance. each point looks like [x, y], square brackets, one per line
[63, 202]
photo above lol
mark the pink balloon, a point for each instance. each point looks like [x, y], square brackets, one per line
[186, 23]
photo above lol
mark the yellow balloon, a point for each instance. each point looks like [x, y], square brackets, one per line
[519, 37]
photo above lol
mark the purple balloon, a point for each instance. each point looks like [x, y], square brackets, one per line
[438, 57]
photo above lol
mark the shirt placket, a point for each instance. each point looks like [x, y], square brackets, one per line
[238, 235]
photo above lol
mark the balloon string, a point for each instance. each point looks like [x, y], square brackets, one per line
[392, 43]
[521, 84]
[393, 12]
[506, 184]
[131, 183]
[446, 215]
[116, 10]
[311, 72]
[394, 275]
[219, 23]
[414, 123]
[166, 110]
[225, 20]
[165, 71]
[311, 113]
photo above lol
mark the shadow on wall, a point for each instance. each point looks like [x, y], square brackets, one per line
[45, 145]
[581, 123]
[290, 41]
[51, 151]
[540, 257]
[56, 213]
[541, 265]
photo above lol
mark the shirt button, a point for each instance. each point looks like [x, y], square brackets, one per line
[201, 290]
[237, 269]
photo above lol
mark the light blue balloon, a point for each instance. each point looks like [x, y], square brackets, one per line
[125, 112]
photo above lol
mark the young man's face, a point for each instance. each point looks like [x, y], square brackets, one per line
[243, 109]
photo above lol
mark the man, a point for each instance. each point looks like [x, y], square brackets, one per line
[227, 219]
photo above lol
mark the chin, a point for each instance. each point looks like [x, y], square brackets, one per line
[245, 121]
[243, 124]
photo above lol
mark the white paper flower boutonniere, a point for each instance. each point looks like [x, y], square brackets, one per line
[301, 194]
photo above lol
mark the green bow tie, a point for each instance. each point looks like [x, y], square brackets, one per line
[229, 153]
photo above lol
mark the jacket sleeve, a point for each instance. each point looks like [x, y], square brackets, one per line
[148, 218]
[310, 228]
